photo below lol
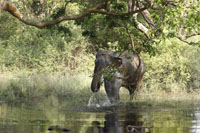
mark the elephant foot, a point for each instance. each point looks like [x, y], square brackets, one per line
[131, 97]
[113, 100]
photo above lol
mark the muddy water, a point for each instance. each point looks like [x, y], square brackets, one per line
[53, 116]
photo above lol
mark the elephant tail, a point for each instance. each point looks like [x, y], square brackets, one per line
[138, 68]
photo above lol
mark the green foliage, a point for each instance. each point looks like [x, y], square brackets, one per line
[8, 26]
[173, 69]
[109, 72]
[192, 53]
[37, 63]
[44, 50]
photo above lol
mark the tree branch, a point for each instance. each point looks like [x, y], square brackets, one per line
[7, 6]
[118, 15]
[146, 15]
[60, 19]
[190, 43]
[194, 34]
[66, 3]
[140, 26]
[131, 5]
[129, 34]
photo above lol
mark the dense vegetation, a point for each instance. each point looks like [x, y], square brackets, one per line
[59, 59]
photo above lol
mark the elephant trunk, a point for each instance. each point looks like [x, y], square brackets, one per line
[96, 83]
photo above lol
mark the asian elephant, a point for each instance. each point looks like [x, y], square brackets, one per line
[131, 70]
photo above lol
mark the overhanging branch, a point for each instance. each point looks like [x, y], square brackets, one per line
[140, 26]
[191, 35]
[63, 18]
[146, 15]
[122, 14]
[7, 6]
[185, 41]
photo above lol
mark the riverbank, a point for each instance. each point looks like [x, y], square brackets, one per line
[76, 88]
[25, 85]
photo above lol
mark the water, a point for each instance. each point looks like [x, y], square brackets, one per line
[95, 102]
[53, 116]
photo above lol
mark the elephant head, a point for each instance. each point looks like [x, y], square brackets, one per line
[104, 58]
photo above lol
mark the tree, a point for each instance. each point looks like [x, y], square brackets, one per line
[139, 22]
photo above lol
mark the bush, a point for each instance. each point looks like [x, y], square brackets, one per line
[47, 50]
[173, 69]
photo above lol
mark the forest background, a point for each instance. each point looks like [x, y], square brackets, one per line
[59, 60]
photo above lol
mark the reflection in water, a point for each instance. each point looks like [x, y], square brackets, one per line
[114, 124]
[111, 124]
[38, 117]
[196, 126]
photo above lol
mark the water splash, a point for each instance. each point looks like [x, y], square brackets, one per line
[94, 101]
[90, 102]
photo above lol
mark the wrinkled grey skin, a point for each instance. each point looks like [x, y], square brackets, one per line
[130, 76]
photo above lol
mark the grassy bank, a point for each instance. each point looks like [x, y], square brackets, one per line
[75, 88]
[24, 85]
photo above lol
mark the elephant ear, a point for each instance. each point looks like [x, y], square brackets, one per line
[117, 61]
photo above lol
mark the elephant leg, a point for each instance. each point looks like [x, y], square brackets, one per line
[132, 89]
[112, 89]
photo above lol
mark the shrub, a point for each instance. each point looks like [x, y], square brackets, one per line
[172, 70]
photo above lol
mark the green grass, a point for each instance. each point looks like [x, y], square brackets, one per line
[25, 85]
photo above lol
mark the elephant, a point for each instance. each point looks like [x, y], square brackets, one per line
[129, 74]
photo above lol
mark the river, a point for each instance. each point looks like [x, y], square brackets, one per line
[53, 116]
